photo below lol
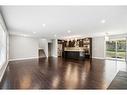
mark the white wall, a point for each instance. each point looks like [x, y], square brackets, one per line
[49, 40]
[98, 47]
[43, 44]
[22, 47]
[4, 55]
[54, 48]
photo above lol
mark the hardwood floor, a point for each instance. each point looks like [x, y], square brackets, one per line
[58, 73]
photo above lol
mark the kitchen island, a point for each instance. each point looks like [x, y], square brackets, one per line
[81, 55]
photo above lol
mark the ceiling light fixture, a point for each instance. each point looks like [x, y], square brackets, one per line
[103, 21]
[69, 31]
[43, 25]
[75, 39]
[34, 32]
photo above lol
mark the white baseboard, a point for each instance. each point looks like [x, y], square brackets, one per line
[98, 57]
[37, 57]
[23, 58]
[54, 56]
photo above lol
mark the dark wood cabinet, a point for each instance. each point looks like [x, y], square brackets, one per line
[81, 43]
[85, 44]
[80, 55]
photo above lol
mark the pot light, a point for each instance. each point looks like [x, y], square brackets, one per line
[103, 21]
[75, 39]
[69, 31]
[43, 25]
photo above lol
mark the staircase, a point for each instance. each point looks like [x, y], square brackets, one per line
[41, 53]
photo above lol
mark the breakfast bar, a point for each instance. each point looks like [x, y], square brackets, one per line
[74, 54]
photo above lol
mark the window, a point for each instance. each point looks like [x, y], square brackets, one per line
[116, 49]
[2, 46]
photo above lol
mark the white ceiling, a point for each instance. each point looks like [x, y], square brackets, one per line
[80, 20]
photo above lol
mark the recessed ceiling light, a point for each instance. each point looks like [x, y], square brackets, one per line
[103, 21]
[69, 31]
[34, 32]
[43, 25]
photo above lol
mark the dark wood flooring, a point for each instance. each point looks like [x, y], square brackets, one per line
[58, 73]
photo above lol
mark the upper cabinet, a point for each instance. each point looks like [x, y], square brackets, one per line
[78, 43]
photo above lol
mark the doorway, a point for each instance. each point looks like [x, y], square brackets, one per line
[49, 49]
[59, 50]
[41, 53]
[116, 49]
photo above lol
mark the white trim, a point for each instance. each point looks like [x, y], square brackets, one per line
[54, 56]
[23, 58]
[126, 51]
[114, 59]
[108, 59]
[104, 49]
[98, 57]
